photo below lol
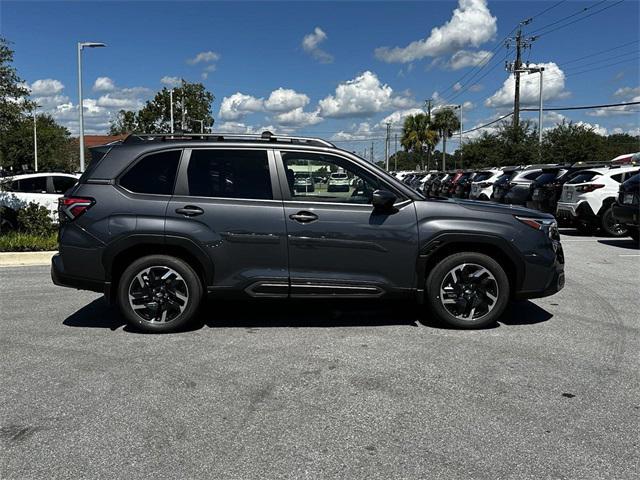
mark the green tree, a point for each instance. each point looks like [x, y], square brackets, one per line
[125, 122]
[446, 122]
[155, 116]
[418, 136]
[13, 92]
[55, 149]
[568, 142]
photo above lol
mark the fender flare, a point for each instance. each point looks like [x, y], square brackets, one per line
[442, 240]
[137, 239]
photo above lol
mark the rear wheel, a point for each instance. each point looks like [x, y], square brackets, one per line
[634, 233]
[159, 293]
[468, 290]
[611, 226]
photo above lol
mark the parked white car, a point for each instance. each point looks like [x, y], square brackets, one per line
[44, 189]
[482, 188]
[588, 197]
[338, 182]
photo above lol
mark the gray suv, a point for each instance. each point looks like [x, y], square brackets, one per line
[162, 220]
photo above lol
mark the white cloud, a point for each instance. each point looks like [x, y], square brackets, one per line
[297, 118]
[361, 97]
[311, 44]
[530, 88]
[47, 87]
[171, 81]
[103, 84]
[397, 118]
[285, 99]
[358, 132]
[468, 58]
[476, 87]
[204, 57]
[457, 87]
[471, 24]
[594, 127]
[627, 92]
[238, 105]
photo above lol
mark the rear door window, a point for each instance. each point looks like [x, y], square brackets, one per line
[221, 173]
[62, 184]
[153, 174]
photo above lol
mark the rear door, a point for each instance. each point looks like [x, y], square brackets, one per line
[338, 245]
[228, 201]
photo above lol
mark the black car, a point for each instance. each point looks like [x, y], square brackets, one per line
[161, 221]
[501, 185]
[463, 185]
[626, 210]
[519, 187]
[434, 185]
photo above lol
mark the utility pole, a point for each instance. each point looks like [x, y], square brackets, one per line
[429, 122]
[395, 155]
[372, 153]
[516, 67]
[386, 145]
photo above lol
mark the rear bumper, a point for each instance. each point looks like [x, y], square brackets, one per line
[63, 279]
[575, 211]
[627, 214]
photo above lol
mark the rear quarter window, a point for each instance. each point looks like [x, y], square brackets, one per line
[153, 174]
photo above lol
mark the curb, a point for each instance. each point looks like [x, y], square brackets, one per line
[20, 259]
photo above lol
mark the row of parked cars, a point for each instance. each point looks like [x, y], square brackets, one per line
[589, 196]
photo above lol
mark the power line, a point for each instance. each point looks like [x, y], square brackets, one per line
[579, 12]
[581, 18]
[547, 9]
[595, 54]
[581, 107]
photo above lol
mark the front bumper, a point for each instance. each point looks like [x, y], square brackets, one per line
[544, 273]
[627, 214]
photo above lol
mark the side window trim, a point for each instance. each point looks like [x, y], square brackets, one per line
[284, 185]
[182, 178]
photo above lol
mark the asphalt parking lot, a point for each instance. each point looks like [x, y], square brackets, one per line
[300, 390]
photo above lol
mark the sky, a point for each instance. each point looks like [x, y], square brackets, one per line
[337, 70]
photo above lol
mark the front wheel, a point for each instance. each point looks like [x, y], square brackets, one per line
[159, 293]
[468, 290]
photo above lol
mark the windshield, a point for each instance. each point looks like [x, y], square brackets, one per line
[480, 176]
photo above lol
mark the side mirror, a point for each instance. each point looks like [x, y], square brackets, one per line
[383, 200]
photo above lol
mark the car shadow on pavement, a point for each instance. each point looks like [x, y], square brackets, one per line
[302, 314]
[627, 243]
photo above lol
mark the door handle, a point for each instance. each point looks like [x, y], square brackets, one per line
[303, 217]
[190, 211]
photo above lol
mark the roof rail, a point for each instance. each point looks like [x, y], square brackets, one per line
[266, 136]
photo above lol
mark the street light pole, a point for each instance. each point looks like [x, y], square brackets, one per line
[81, 45]
[35, 139]
[171, 107]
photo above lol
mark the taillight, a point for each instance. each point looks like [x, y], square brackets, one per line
[70, 208]
[590, 187]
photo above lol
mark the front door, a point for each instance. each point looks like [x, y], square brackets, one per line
[338, 245]
[228, 201]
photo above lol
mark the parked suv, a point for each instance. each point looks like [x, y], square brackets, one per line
[588, 197]
[162, 220]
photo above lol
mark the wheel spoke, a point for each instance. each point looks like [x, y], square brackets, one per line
[158, 294]
[469, 291]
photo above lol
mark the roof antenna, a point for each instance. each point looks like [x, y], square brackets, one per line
[266, 135]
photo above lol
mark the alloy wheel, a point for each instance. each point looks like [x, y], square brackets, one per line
[469, 291]
[158, 294]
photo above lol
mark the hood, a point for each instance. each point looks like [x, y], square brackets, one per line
[491, 207]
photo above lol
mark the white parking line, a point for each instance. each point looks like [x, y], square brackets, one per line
[629, 255]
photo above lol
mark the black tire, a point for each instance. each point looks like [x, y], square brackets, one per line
[438, 275]
[585, 228]
[610, 226]
[183, 281]
[634, 233]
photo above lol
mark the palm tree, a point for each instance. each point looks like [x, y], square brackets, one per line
[417, 134]
[446, 122]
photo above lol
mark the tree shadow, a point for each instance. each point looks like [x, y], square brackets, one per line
[254, 314]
